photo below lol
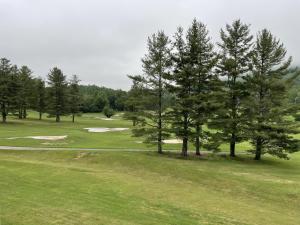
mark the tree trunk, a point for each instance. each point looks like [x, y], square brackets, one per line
[258, 149]
[40, 118]
[24, 113]
[73, 118]
[232, 145]
[184, 146]
[185, 136]
[57, 118]
[3, 117]
[20, 113]
[159, 138]
[198, 131]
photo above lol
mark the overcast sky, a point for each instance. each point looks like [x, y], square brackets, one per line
[102, 41]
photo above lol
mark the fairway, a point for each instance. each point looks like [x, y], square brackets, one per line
[16, 131]
[64, 187]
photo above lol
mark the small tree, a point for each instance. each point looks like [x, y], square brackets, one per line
[108, 111]
[57, 95]
[133, 102]
[268, 129]
[5, 83]
[25, 93]
[40, 96]
[74, 97]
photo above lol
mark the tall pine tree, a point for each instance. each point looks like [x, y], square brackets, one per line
[40, 95]
[269, 130]
[181, 84]
[57, 95]
[235, 45]
[156, 66]
[202, 59]
[74, 97]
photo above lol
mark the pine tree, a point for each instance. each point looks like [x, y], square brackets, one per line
[40, 97]
[74, 97]
[25, 93]
[5, 81]
[236, 43]
[202, 59]
[269, 130]
[57, 98]
[156, 66]
[133, 104]
[181, 85]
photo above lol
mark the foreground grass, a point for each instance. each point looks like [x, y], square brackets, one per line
[53, 187]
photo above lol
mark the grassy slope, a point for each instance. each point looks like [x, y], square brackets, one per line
[141, 188]
[77, 136]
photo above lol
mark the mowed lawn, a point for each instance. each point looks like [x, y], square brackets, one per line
[72, 187]
[77, 136]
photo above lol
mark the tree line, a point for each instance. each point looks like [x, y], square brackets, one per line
[238, 88]
[57, 96]
[20, 91]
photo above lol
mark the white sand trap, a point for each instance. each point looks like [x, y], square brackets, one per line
[48, 138]
[107, 119]
[173, 141]
[104, 129]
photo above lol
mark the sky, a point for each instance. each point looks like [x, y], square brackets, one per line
[103, 41]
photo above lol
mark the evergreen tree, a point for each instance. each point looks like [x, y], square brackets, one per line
[156, 66]
[202, 60]
[269, 130]
[133, 103]
[57, 98]
[40, 97]
[236, 43]
[181, 85]
[5, 81]
[25, 93]
[75, 98]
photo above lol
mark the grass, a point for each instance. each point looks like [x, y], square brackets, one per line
[94, 187]
[65, 187]
[78, 137]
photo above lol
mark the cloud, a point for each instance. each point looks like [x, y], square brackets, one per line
[103, 41]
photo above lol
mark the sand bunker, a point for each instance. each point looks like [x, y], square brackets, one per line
[107, 119]
[173, 141]
[104, 129]
[48, 138]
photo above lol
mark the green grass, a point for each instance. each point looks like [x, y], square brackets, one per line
[77, 136]
[67, 187]
[94, 187]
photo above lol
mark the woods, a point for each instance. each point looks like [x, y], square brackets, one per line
[238, 87]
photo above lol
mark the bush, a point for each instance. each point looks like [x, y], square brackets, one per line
[108, 112]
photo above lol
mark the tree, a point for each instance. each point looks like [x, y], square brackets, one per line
[5, 82]
[181, 85]
[236, 43]
[202, 60]
[269, 130]
[74, 97]
[108, 111]
[156, 66]
[57, 99]
[25, 93]
[133, 101]
[40, 97]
